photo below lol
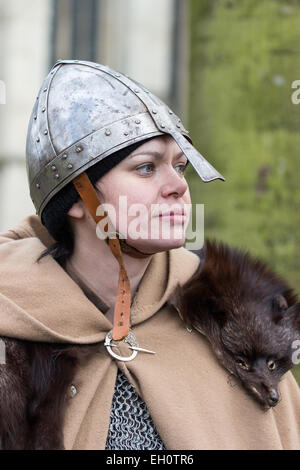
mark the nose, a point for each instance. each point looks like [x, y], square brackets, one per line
[273, 397]
[174, 184]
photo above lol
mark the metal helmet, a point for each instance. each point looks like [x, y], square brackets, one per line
[84, 112]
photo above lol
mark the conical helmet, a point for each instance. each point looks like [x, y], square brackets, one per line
[85, 112]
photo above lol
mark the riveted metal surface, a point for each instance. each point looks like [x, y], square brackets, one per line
[84, 113]
[123, 132]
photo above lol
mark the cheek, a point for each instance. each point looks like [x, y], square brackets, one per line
[123, 195]
[132, 195]
[139, 196]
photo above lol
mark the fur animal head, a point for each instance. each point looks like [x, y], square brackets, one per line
[248, 313]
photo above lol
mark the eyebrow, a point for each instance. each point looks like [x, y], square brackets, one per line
[154, 153]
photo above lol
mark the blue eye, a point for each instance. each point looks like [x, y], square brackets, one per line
[145, 169]
[148, 168]
[181, 168]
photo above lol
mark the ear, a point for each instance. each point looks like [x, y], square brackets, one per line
[279, 307]
[77, 210]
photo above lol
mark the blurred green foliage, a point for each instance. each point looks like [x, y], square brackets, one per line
[244, 56]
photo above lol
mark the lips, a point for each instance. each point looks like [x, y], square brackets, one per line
[173, 216]
[176, 212]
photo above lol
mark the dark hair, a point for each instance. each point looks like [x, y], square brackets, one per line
[54, 216]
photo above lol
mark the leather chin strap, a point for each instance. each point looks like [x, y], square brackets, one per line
[89, 196]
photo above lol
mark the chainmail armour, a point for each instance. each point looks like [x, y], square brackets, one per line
[131, 426]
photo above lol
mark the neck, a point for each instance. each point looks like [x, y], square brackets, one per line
[96, 266]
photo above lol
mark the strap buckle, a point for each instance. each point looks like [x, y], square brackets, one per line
[133, 344]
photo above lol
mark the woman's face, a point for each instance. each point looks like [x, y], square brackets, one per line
[148, 193]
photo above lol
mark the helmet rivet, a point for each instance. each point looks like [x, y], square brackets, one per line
[178, 125]
[78, 149]
[57, 176]
[70, 165]
[64, 155]
[38, 185]
[117, 75]
[170, 112]
[43, 110]
[38, 139]
[154, 111]
[138, 121]
[162, 125]
[35, 117]
[45, 89]
[46, 132]
[107, 132]
[125, 133]
[136, 90]
[53, 167]
[179, 120]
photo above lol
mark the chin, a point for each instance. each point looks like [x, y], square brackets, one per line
[156, 246]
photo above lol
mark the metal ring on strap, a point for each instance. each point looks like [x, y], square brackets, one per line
[130, 339]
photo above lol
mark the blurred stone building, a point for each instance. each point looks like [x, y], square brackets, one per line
[146, 39]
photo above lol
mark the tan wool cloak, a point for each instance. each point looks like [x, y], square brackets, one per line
[190, 398]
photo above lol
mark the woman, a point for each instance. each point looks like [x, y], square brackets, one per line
[95, 356]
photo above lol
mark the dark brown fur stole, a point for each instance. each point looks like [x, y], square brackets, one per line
[34, 385]
[249, 314]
